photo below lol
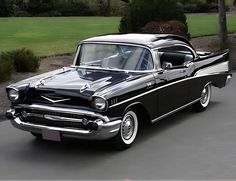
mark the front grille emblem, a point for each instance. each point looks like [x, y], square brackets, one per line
[56, 100]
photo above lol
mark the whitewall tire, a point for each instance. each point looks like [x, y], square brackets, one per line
[128, 130]
[205, 99]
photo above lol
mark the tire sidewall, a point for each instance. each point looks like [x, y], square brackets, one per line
[135, 117]
[118, 141]
[205, 105]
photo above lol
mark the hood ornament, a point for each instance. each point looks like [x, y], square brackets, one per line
[85, 86]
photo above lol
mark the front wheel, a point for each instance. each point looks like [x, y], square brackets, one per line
[204, 101]
[128, 130]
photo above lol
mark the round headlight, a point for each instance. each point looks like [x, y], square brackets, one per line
[100, 103]
[13, 95]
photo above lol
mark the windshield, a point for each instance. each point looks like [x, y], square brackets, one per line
[112, 56]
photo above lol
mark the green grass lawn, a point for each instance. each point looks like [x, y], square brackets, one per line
[201, 25]
[54, 35]
[60, 35]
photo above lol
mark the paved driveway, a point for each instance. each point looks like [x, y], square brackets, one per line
[186, 145]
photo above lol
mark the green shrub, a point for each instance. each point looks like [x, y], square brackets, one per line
[140, 12]
[6, 67]
[24, 60]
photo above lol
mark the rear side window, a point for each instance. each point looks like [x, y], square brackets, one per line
[176, 55]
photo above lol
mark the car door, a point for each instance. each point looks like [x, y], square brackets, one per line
[177, 64]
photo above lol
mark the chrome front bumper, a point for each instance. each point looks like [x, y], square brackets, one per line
[105, 128]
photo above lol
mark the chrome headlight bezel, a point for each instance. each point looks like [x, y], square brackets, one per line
[100, 103]
[13, 94]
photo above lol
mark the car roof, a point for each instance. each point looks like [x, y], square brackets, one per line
[149, 40]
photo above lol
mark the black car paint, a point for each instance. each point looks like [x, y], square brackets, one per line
[157, 92]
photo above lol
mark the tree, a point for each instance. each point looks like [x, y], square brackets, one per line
[36, 7]
[109, 6]
[222, 24]
[140, 12]
[5, 10]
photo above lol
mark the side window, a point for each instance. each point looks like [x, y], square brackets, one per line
[175, 56]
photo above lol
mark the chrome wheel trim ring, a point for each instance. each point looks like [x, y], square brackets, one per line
[129, 127]
[205, 96]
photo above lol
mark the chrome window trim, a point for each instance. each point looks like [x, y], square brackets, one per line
[114, 43]
[76, 56]
[186, 46]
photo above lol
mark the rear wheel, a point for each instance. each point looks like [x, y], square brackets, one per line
[128, 130]
[202, 104]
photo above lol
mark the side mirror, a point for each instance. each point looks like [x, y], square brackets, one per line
[167, 65]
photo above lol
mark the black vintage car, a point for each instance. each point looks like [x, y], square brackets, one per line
[116, 83]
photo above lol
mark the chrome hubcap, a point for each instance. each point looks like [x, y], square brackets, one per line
[204, 96]
[128, 127]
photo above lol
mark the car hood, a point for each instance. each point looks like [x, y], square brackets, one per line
[82, 81]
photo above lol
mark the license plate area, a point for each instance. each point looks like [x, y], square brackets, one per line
[51, 135]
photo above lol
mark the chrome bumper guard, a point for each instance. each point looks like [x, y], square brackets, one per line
[228, 79]
[105, 128]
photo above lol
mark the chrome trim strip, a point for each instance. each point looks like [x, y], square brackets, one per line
[33, 115]
[63, 110]
[64, 119]
[172, 112]
[55, 101]
[109, 124]
[115, 130]
[143, 94]
[18, 121]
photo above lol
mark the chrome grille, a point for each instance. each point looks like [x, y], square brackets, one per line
[36, 96]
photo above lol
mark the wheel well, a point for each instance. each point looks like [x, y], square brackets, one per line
[142, 113]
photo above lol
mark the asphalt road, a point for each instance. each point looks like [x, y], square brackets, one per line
[187, 145]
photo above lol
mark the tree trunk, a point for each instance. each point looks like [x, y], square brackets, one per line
[222, 24]
[109, 7]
